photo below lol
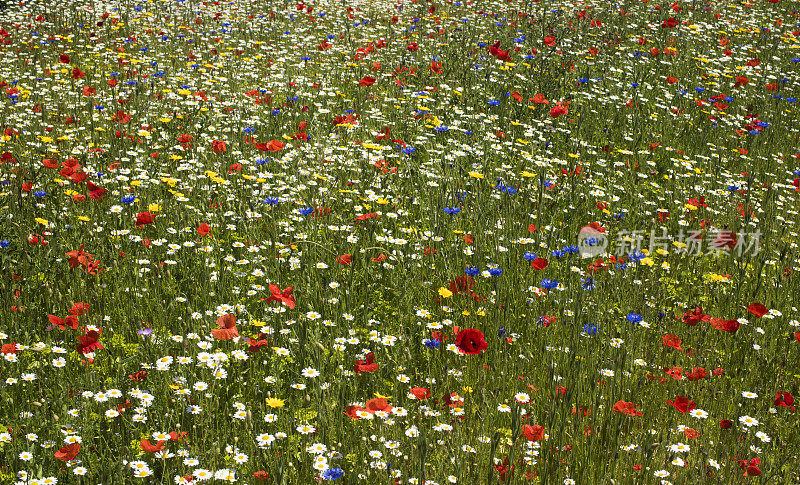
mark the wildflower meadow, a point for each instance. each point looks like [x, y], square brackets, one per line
[399, 242]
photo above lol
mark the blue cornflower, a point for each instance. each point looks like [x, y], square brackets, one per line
[332, 473]
[634, 317]
[495, 271]
[4, 243]
[636, 256]
[442, 129]
[128, 199]
[262, 161]
[588, 283]
[472, 270]
[590, 328]
[433, 343]
[452, 210]
[548, 284]
[305, 210]
[529, 256]
[409, 150]
[494, 102]
[271, 200]
[557, 253]
[733, 188]
[40, 193]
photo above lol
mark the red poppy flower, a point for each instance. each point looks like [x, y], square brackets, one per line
[275, 146]
[499, 53]
[750, 468]
[470, 341]
[255, 345]
[367, 81]
[70, 321]
[690, 433]
[784, 399]
[539, 263]
[726, 424]
[672, 341]
[68, 452]
[758, 309]
[95, 192]
[682, 404]
[461, 284]
[378, 404]
[218, 146]
[344, 259]
[63, 59]
[203, 229]
[557, 111]
[151, 448]
[669, 23]
[143, 218]
[533, 433]
[676, 372]
[227, 328]
[88, 342]
[352, 411]
[693, 317]
[697, 374]
[366, 365]
[539, 98]
[138, 376]
[284, 296]
[368, 216]
[625, 407]
[10, 348]
[421, 393]
[752, 471]
[730, 326]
